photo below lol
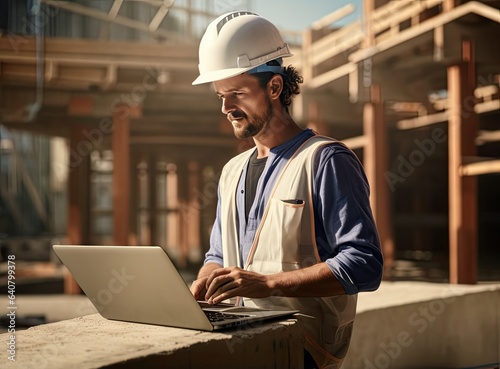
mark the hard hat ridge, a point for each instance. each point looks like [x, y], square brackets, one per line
[239, 42]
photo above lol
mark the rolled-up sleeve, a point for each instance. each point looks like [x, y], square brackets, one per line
[346, 234]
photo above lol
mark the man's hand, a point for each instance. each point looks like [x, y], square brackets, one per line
[198, 288]
[215, 283]
[225, 283]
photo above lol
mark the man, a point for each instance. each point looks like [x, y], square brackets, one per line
[294, 226]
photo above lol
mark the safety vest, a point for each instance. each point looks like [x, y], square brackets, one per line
[285, 241]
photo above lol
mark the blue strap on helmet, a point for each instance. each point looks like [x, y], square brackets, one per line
[269, 68]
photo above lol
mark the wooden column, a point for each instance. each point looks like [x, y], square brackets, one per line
[449, 5]
[375, 163]
[121, 171]
[462, 129]
[78, 189]
[193, 216]
[368, 8]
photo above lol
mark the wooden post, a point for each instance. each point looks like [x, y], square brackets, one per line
[193, 216]
[449, 5]
[375, 163]
[78, 186]
[462, 129]
[121, 171]
[307, 66]
[368, 8]
[121, 178]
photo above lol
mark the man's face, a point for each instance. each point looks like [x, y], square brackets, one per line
[246, 104]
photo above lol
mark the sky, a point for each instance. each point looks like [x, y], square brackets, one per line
[297, 15]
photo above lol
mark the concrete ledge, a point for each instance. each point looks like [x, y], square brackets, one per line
[91, 342]
[403, 325]
[414, 325]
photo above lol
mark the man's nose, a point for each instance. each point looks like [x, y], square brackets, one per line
[227, 105]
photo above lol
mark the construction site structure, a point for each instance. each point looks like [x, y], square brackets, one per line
[105, 141]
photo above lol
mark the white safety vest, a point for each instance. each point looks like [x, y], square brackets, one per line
[285, 241]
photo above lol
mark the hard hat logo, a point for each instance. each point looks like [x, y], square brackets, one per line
[239, 42]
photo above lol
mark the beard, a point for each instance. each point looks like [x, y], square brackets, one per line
[256, 123]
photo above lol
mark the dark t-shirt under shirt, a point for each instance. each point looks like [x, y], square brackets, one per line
[255, 169]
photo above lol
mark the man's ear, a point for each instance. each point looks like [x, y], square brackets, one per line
[275, 86]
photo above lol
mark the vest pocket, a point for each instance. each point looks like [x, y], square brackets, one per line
[281, 233]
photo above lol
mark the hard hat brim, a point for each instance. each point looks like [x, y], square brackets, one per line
[219, 75]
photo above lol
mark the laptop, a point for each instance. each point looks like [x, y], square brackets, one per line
[140, 284]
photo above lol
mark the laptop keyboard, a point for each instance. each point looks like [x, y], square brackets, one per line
[217, 316]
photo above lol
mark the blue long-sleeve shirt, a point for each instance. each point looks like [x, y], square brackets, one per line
[346, 235]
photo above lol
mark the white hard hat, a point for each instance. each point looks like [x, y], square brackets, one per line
[238, 42]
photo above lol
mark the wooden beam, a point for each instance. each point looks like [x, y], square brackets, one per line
[97, 14]
[487, 136]
[182, 140]
[331, 75]
[115, 8]
[422, 121]
[375, 163]
[429, 25]
[160, 15]
[333, 17]
[478, 168]
[357, 142]
[487, 106]
[427, 120]
[462, 130]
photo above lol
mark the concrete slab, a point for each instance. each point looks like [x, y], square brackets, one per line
[91, 342]
[406, 325]
[414, 325]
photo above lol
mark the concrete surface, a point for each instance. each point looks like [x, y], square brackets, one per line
[93, 342]
[403, 325]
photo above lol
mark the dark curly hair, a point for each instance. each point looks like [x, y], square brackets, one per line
[291, 81]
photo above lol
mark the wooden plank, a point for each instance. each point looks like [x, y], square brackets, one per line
[487, 106]
[90, 47]
[356, 142]
[462, 128]
[333, 17]
[487, 136]
[422, 121]
[91, 61]
[332, 75]
[482, 167]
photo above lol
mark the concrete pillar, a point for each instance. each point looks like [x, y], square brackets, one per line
[462, 129]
